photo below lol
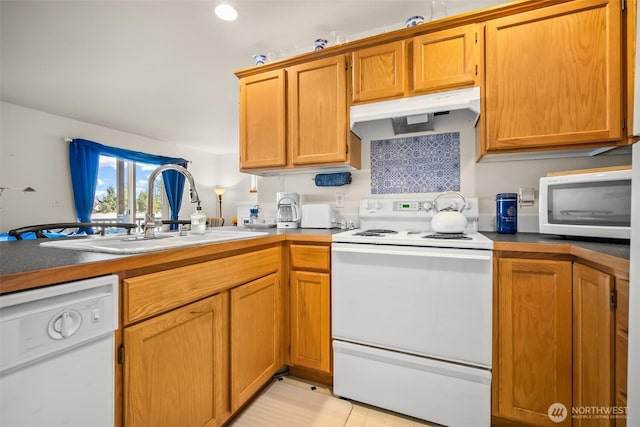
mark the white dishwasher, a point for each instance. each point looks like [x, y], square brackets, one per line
[57, 355]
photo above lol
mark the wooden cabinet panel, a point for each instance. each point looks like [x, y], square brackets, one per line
[311, 320]
[622, 346]
[155, 293]
[263, 120]
[176, 365]
[297, 116]
[445, 59]
[379, 72]
[317, 109]
[255, 336]
[553, 77]
[593, 338]
[534, 339]
[310, 257]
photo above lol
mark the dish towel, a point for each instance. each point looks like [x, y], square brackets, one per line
[333, 179]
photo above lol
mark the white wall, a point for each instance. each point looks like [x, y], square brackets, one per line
[483, 180]
[33, 153]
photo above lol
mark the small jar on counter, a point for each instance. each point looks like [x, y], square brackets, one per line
[507, 213]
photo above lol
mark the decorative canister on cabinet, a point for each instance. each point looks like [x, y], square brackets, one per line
[506, 213]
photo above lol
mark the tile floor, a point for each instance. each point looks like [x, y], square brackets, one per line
[364, 415]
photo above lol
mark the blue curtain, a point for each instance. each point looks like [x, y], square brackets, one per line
[83, 163]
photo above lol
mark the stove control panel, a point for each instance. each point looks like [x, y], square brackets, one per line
[422, 210]
[407, 206]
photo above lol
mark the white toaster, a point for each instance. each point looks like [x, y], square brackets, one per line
[318, 216]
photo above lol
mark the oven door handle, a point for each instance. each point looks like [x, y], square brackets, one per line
[439, 254]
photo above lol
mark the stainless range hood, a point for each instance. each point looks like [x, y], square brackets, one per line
[416, 113]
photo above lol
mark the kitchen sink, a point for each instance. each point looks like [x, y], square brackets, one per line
[134, 244]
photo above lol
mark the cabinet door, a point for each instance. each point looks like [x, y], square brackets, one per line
[176, 367]
[317, 108]
[553, 77]
[255, 336]
[593, 342]
[445, 59]
[622, 345]
[311, 320]
[263, 121]
[534, 339]
[379, 72]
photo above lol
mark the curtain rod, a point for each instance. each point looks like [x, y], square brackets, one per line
[67, 139]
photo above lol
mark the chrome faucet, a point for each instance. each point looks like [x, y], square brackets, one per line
[150, 224]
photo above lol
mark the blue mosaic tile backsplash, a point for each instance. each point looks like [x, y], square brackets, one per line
[419, 164]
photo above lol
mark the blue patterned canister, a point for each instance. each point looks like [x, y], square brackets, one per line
[507, 213]
[319, 44]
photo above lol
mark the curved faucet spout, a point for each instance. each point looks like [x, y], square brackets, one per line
[149, 225]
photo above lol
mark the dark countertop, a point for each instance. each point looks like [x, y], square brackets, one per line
[614, 247]
[25, 264]
[27, 255]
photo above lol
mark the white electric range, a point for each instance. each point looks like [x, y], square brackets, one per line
[412, 313]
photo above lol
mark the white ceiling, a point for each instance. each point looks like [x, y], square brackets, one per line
[164, 69]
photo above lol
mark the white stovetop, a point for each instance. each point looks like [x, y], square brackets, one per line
[411, 218]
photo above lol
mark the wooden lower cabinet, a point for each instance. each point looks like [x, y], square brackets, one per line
[561, 339]
[310, 309]
[199, 340]
[176, 367]
[533, 361]
[622, 347]
[311, 320]
[255, 336]
[593, 343]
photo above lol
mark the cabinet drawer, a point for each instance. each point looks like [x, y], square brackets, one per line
[148, 295]
[307, 257]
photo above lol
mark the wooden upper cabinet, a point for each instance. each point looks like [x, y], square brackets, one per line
[553, 77]
[317, 108]
[532, 367]
[446, 59]
[263, 120]
[379, 72]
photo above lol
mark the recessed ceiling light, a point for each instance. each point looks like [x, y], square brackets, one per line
[226, 12]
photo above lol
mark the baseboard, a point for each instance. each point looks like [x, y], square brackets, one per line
[311, 375]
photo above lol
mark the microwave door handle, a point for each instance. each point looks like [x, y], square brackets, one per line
[586, 214]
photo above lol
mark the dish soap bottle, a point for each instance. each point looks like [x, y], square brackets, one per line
[198, 221]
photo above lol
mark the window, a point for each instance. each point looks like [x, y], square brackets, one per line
[121, 192]
[84, 164]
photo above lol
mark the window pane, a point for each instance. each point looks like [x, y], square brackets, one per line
[106, 203]
[118, 199]
[142, 181]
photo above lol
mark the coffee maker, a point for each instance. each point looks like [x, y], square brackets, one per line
[288, 207]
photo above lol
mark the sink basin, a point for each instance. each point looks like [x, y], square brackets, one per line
[135, 244]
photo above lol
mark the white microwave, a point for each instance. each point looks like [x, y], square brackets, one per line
[595, 204]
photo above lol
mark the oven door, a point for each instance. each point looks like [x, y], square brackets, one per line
[433, 302]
